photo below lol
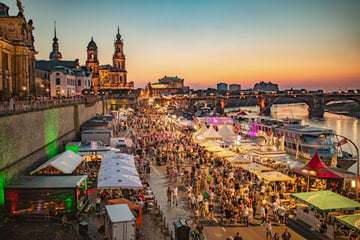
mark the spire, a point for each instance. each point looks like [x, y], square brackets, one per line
[118, 29]
[55, 30]
[55, 54]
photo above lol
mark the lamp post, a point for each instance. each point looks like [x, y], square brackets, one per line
[357, 166]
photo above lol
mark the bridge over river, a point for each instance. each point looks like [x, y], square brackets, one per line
[316, 101]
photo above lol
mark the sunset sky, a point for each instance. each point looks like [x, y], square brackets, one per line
[294, 43]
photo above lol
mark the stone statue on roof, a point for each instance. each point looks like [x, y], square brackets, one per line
[21, 9]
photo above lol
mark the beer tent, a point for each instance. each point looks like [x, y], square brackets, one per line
[327, 201]
[318, 167]
[352, 221]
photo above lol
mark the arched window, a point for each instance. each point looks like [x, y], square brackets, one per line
[121, 79]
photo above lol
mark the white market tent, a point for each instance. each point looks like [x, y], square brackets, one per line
[118, 170]
[226, 133]
[211, 134]
[352, 168]
[273, 176]
[239, 160]
[65, 162]
[255, 167]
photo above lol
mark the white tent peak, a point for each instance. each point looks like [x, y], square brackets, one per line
[211, 133]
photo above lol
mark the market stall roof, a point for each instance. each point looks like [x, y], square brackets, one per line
[255, 167]
[319, 169]
[225, 132]
[326, 201]
[225, 153]
[273, 176]
[119, 213]
[66, 181]
[239, 160]
[211, 133]
[117, 170]
[65, 162]
[352, 221]
[352, 168]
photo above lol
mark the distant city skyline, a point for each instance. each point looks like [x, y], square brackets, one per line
[295, 44]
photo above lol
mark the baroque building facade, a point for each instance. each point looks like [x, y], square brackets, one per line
[17, 54]
[109, 77]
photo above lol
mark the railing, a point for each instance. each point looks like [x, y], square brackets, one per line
[15, 107]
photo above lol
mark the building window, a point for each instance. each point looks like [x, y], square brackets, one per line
[57, 81]
[57, 73]
[79, 82]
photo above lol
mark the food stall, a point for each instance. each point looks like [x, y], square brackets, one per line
[322, 205]
[46, 195]
[134, 208]
[351, 221]
[255, 168]
[66, 162]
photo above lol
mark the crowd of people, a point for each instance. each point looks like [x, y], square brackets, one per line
[215, 189]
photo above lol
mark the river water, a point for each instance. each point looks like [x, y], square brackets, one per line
[343, 125]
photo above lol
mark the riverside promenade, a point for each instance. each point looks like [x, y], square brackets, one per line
[213, 229]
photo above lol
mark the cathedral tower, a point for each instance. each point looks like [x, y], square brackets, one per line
[119, 61]
[92, 63]
[55, 54]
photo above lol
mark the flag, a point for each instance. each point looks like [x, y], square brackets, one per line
[342, 142]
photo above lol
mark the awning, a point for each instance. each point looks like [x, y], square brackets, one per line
[255, 167]
[239, 160]
[273, 176]
[352, 221]
[326, 201]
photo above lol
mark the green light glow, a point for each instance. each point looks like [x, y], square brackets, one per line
[69, 203]
[52, 125]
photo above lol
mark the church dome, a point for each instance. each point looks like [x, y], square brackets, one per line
[92, 45]
[4, 10]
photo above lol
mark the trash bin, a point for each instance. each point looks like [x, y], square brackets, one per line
[182, 230]
[83, 228]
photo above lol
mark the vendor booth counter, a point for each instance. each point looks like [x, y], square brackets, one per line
[46, 195]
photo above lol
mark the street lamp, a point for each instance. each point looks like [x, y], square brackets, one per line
[357, 165]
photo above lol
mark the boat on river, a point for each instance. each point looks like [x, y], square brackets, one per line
[296, 139]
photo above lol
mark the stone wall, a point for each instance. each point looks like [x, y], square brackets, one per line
[29, 139]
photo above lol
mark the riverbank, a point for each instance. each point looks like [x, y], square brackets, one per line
[350, 109]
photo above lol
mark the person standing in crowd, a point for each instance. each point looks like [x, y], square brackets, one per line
[238, 237]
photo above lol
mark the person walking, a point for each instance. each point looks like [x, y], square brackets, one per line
[262, 214]
[169, 193]
[268, 230]
[286, 235]
[175, 195]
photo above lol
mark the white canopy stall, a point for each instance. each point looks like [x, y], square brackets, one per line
[118, 170]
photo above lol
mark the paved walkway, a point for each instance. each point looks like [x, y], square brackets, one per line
[213, 229]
